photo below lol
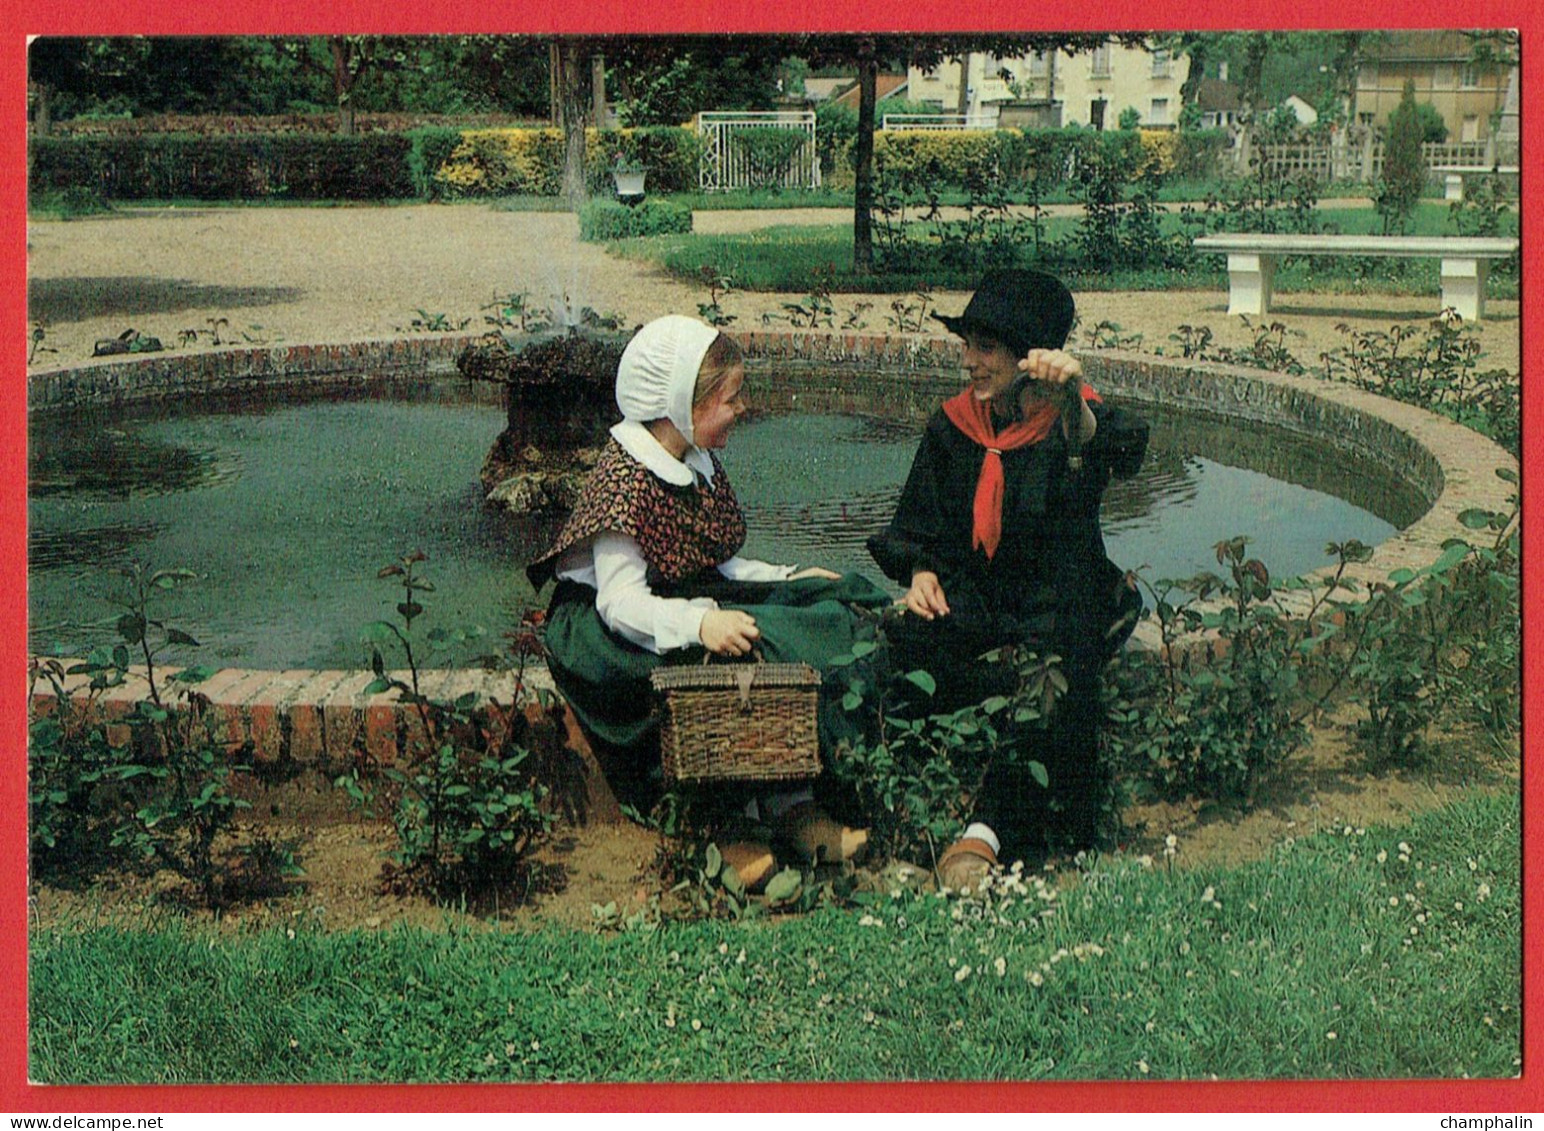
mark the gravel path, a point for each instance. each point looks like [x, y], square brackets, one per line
[290, 275]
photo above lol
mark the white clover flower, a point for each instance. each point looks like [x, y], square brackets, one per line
[1001, 966]
[1331, 1035]
[1209, 895]
[1382, 856]
[696, 1025]
[1034, 977]
[1482, 892]
[1403, 847]
[962, 973]
[1142, 1067]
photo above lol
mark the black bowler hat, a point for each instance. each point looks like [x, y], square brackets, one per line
[1023, 309]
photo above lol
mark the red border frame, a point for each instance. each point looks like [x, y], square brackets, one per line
[1525, 1094]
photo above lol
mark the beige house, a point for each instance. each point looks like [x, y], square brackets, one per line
[1468, 95]
[1091, 88]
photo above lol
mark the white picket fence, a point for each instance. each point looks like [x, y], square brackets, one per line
[725, 165]
[1362, 160]
[939, 121]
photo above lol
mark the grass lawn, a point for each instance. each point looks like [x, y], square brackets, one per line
[1348, 954]
[789, 258]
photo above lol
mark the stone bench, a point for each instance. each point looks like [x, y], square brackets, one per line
[1453, 176]
[1252, 258]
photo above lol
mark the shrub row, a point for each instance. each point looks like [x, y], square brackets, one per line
[437, 161]
[601, 220]
[1017, 158]
[297, 166]
[514, 161]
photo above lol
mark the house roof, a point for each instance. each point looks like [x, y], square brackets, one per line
[1218, 96]
[885, 86]
[1414, 46]
[819, 90]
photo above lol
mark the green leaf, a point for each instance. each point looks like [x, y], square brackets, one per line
[784, 886]
[1454, 554]
[863, 648]
[715, 861]
[195, 674]
[379, 632]
[177, 636]
[1475, 518]
[377, 685]
[851, 701]
[923, 680]
[1037, 771]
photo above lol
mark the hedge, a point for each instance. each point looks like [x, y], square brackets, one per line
[1019, 158]
[168, 167]
[518, 161]
[601, 220]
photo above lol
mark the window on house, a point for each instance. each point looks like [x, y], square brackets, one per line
[1469, 76]
[1160, 112]
[1162, 68]
[1037, 64]
[1096, 113]
[1469, 130]
[1099, 65]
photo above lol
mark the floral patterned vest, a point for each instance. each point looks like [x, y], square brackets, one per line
[680, 531]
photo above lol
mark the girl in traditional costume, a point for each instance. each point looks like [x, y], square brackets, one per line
[649, 571]
[997, 538]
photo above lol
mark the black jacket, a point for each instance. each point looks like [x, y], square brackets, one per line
[1051, 561]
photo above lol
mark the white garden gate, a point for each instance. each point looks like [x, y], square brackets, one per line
[726, 165]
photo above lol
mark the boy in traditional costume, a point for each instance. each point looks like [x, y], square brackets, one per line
[997, 537]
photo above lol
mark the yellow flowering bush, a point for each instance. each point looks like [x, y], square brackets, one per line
[1158, 151]
[501, 162]
[953, 156]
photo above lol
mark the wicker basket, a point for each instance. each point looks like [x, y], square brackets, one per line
[739, 722]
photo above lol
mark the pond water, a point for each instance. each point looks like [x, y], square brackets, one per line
[288, 511]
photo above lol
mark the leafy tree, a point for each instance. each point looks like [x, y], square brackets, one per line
[1433, 128]
[665, 81]
[1404, 166]
[868, 53]
[81, 69]
[347, 60]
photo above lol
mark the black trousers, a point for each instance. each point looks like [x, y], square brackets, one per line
[1028, 818]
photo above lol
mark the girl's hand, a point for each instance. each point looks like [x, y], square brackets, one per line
[926, 596]
[728, 632]
[815, 571]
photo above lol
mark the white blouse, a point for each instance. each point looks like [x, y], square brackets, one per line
[613, 566]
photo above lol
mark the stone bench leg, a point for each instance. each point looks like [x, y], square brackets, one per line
[1463, 287]
[1249, 282]
[1453, 186]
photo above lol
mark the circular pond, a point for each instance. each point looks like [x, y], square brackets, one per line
[287, 511]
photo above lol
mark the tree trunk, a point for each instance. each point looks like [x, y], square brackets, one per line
[343, 82]
[964, 104]
[572, 99]
[863, 164]
[42, 115]
[598, 89]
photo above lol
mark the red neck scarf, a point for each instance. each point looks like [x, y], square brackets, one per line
[974, 418]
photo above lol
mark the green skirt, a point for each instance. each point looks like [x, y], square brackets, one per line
[605, 677]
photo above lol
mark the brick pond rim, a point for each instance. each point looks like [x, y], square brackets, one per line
[301, 726]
